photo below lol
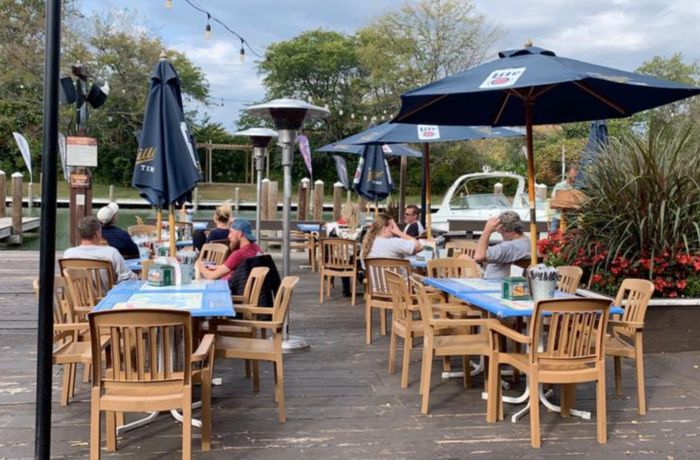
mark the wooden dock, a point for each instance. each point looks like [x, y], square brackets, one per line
[342, 403]
[29, 224]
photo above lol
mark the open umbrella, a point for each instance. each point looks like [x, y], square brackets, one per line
[392, 133]
[357, 149]
[533, 86]
[166, 168]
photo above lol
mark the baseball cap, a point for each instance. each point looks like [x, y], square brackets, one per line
[244, 226]
[106, 213]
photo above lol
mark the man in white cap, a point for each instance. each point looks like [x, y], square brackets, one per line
[115, 236]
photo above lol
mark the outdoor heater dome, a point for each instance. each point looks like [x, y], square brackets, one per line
[288, 113]
[260, 137]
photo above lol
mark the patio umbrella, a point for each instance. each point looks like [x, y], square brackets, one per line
[166, 168]
[597, 140]
[392, 133]
[372, 178]
[533, 86]
[394, 149]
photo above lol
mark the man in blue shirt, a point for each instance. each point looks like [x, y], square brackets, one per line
[115, 236]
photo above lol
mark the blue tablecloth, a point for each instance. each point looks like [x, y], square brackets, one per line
[182, 244]
[133, 264]
[194, 286]
[454, 286]
[308, 228]
[198, 303]
[417, 263]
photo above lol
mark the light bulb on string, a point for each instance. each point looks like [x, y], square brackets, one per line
[364, 118]
[207, 30]
[352, 115]
[242, 53]
[168, 4]
[340, 112]
[325, 106]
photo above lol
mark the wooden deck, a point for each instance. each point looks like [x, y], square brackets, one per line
[29, 224]
[341, 403]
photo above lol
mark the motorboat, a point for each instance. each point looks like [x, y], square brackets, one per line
[472, 198]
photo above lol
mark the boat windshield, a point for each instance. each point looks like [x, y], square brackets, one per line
[484, 201]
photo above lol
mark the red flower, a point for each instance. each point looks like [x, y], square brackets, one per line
[681, 284]
[597, 278]
[615, 270]
[673, 294]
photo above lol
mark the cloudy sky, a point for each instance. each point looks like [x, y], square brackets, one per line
[617, 33]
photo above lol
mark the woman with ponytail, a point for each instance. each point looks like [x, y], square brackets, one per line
[223, 216]
[385, 239]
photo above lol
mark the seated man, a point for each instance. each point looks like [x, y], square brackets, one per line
[90, 232]
[515, 246]
[410, 217]
[241, 236]
[115, 236]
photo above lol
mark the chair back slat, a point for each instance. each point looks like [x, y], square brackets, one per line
[254, 284]
[338, 253]
[376, 281]
[574, 330]
[424, 304]
[284, 298]
[400, 295]
[80, 286]
[214, 252]
[569, 278]
[456, 248]
[633, 297]
[159, 341]
[101, 273]
[452, 268]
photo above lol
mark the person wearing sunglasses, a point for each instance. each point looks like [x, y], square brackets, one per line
[410, 217]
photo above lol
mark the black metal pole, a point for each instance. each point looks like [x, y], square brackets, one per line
[47, 260]
[423, 186]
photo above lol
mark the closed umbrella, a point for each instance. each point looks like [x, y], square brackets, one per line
[533, 86]
[166, 168]
[372, 178]
[597, 141]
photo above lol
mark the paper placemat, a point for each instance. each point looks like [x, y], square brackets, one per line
[189, 301]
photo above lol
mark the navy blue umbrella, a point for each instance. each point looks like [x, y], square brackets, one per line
[597, 140]
[532, 86]
[357, 149]
[372, 178]
[166, 168]
[392, 133]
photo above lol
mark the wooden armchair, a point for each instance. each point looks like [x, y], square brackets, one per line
[141, 371]
[446, 337]
[452, 268]
[377, 293]
[338, 258]
[456, 248]
[101, 273]
[81, 289]
[215, 253]
[569, 278]
[148, 231]
[261, 349]
[572, 352]
[625, 337]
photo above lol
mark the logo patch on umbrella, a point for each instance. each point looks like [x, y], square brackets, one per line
[428, 132]
[502, 78]
[386, 149]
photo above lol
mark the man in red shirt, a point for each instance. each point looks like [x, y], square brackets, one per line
[240, 235]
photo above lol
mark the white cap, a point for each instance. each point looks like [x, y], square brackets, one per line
[107, 213]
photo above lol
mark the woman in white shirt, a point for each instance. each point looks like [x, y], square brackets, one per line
[385, 239]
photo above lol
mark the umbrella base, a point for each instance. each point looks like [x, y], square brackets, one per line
[295, 344]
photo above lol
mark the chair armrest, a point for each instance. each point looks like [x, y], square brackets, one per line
[237, 298]
[450, 323]
[499, 328]
[457, 307]
[205, 347]
[253, 309]
[628, 324]
[256, 324]
[71, 327]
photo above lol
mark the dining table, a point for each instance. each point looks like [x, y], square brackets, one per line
[485, 294]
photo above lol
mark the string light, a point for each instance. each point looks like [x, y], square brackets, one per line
[340, 112]
[168, 4]
[352, 115]
[364, 118]
[326, 107]
[242, 54]
[207, 31]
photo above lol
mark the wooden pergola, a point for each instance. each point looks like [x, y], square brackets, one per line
[249, 172]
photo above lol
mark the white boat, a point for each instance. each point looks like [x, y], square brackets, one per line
[465, 201]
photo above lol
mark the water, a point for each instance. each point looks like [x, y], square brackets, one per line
[127, 218]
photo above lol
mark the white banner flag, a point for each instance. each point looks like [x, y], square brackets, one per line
[24, 149]
[62, 151]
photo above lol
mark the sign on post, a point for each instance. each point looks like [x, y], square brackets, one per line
[81, 151]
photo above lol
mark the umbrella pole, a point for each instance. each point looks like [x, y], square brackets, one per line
[402, 184]
[423, 182]
[171, 222]
[260, 154]
[159, 223]
[531, 181]
[428, 202]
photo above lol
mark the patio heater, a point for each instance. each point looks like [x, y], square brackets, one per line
[288, 115]
[260, 137]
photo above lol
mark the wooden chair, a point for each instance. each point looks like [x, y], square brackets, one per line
[446, 337]
[569, 278]
[148, 231]
[403, 323]
[338, 259]
[452, 268]
[142, 371]
[261, 349]
[145, 264]
[101, 273]
[456, 248]
[625, 337]
[377, 293]
[572, 352]
[82, 294]
[214, 253]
